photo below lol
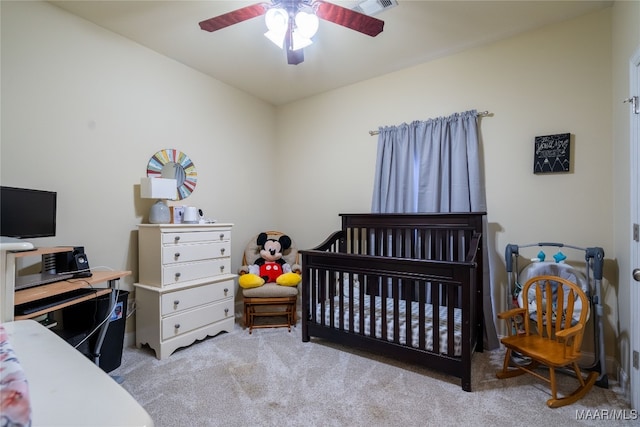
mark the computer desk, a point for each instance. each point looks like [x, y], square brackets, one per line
[9, 297]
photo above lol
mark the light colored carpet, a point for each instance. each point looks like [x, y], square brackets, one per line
[272, 378]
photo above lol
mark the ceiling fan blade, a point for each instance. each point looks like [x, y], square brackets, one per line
[233, 17]
[349, 18]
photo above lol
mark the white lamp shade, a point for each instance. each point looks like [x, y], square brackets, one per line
[277, 23]
[276, 38]
[307, 24]
[277, 20]
[300, 42]
[158, 188]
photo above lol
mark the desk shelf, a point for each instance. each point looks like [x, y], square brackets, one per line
[38, 292]
[9, 297]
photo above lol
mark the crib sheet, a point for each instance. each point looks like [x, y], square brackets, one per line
[402, 319]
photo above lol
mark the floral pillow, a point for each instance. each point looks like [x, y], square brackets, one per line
[15, 407]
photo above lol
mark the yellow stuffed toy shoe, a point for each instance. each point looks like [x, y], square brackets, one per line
[288, 279]
[250, 280]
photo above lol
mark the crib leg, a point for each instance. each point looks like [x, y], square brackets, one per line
[305, 331]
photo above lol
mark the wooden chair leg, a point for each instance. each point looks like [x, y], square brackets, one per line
[507, 360]
[509, 372]
[246, 315]
[552, 381]
[578, 393]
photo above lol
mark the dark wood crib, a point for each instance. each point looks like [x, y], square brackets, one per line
[405, 286]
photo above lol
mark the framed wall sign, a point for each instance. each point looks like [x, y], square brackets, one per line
[552, 153]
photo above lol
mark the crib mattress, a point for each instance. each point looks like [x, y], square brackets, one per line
[402, 319]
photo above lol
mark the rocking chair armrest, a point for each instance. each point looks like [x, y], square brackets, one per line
[570, 332]
[511, 313]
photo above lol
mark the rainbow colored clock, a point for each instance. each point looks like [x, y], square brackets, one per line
[171, 163]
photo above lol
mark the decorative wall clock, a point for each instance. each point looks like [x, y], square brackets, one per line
[172, 163]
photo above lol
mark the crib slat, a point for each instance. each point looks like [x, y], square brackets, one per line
[451, 305]
[384, 294]
[435, 316]
[373, 283]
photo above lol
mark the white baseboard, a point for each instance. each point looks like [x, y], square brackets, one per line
[624, 383]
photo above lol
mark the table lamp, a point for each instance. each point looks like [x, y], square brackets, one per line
[161, 189]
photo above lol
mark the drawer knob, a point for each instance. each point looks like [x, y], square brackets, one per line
[177, 238]
[221, 268]
[177, 276]
[177, 326]
[176, 255]
[222, 251]
[226, 290]
[176, 302]
[226, 311]
[221, 236]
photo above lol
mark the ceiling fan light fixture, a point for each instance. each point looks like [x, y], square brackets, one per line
[277, 21]
[291, 24]
[300, 42]
[276, 38]
[307, 24]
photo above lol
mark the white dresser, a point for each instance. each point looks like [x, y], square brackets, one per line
[185, 289]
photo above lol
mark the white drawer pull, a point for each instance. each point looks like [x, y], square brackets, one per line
[221, 236]
[177, 238]
[221, 268]
[226, 311]
[177, 275]
[221, 251]
[226, 290]
[176, 255]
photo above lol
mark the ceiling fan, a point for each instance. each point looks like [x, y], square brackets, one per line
[292, 23]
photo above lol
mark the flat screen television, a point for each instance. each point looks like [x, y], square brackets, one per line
[27, 213]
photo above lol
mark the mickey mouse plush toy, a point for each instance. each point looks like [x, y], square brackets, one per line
[270, 267]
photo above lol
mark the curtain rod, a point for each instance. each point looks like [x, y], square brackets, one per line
[480, 114]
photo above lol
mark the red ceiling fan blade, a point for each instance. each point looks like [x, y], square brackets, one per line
[233, 17]
[349, 18]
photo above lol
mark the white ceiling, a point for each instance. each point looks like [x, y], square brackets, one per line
[414, 32]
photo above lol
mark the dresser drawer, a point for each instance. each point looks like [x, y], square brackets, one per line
[185, 299]
[192, 319]
[178, 273]
[180, 237]
[195, 252]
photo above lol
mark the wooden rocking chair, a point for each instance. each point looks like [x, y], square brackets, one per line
[553, 339]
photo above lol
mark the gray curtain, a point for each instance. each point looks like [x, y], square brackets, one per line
[435, 166]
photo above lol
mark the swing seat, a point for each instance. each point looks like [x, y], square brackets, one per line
[553, 340]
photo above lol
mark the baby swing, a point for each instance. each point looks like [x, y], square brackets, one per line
[590, 281]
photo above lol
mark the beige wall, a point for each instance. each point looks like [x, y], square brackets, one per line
[554, 80]
[83, 110]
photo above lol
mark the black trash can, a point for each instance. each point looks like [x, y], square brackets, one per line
[80, 319]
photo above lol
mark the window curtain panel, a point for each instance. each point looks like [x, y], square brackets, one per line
[435, 166]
